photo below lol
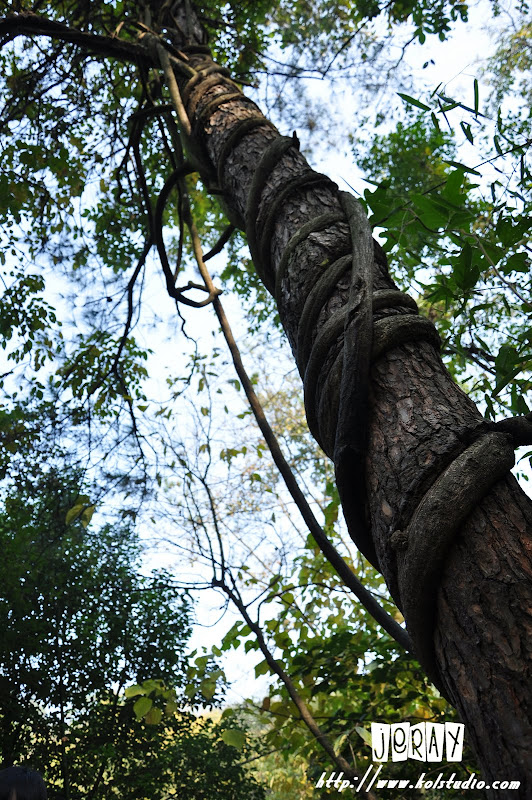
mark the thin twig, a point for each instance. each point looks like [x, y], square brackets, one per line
[130, 308]
[507, 283]
[299, 703]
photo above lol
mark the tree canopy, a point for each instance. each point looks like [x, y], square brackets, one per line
[86, 639]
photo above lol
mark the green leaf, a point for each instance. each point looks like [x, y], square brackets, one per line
[475, 92]
[465, 272]
[435, 121]
[517, 262]
[462, 166]
[453, 186]
[170, 708]
[366, 735]
[412, 101]
[208, 688]
[87, 514]
[466, 127]
[153, 717]
[339, 743]
[73, 513]
[234, 738]
[510, 231]
[142, 706]
[82, 508]
[507, 364]
[261, 669]
[430, 214]
[134, 691]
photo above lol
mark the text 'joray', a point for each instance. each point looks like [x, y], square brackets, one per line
[427, 741]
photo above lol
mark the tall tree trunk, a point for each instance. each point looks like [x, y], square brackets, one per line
[474, 594]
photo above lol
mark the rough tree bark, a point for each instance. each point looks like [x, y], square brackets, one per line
[420, 425]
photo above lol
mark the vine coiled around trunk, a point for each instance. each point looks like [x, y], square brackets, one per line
[453, 494]
[364, 339]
